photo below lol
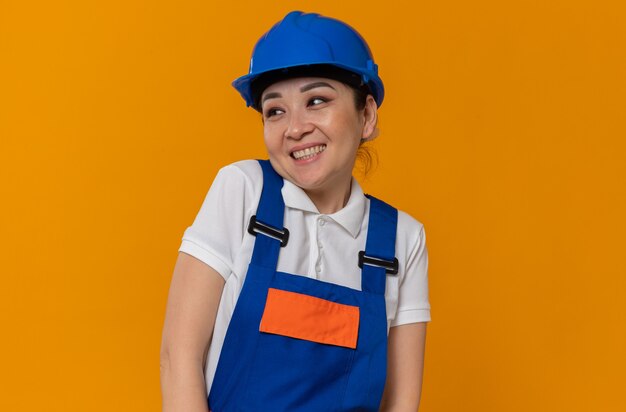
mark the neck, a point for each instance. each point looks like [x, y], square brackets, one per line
[331, 200]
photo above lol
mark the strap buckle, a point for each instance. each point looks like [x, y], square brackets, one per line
[390, 266]
[255, 227]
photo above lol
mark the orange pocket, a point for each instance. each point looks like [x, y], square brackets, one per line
[306, 317]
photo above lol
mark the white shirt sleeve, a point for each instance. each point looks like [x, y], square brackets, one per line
[216, 235]
[413, 303]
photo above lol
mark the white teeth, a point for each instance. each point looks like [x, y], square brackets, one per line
[309, 152]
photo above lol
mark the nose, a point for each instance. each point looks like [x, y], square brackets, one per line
[298, 126]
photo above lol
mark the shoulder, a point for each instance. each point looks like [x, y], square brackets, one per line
[243, 178]
[410, 237]
[409, 228]
[243, 171]
[236, 189]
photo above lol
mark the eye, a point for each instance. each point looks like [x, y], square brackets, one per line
[273, 111]
[317, 101]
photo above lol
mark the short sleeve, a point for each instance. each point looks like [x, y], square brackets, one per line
[216, 235]
[413, 303]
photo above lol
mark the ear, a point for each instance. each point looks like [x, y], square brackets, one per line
[370, 120]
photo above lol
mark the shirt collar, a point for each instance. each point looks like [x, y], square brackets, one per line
[350, 217]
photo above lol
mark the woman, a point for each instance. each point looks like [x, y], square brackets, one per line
[294, 291]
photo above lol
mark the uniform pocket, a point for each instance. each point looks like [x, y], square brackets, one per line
[301, 316]
[303, 354]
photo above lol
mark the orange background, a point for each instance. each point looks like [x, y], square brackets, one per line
[502, 131]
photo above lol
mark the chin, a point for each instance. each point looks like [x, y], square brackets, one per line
[309, 184]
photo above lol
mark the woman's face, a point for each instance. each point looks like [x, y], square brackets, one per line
[312, 131]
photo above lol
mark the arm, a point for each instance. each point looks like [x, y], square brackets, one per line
[193, 300]
[405, 365]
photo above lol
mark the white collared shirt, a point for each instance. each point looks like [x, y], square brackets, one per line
[323, 247]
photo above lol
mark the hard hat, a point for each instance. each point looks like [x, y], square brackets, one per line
[302, 41]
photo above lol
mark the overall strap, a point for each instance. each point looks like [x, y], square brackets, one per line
[268, 221]
[379, 259]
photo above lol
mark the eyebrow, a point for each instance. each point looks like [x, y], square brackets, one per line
[303, 89]
[310, 86]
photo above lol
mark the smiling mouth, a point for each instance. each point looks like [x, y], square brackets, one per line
[308, 153]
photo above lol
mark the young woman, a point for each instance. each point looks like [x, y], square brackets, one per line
[294, 291]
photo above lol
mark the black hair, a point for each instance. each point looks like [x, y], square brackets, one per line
[351, 79]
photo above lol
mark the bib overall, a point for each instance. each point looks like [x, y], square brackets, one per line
[297, 344]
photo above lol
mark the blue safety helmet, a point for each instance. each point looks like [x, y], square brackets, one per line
[310, 44]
